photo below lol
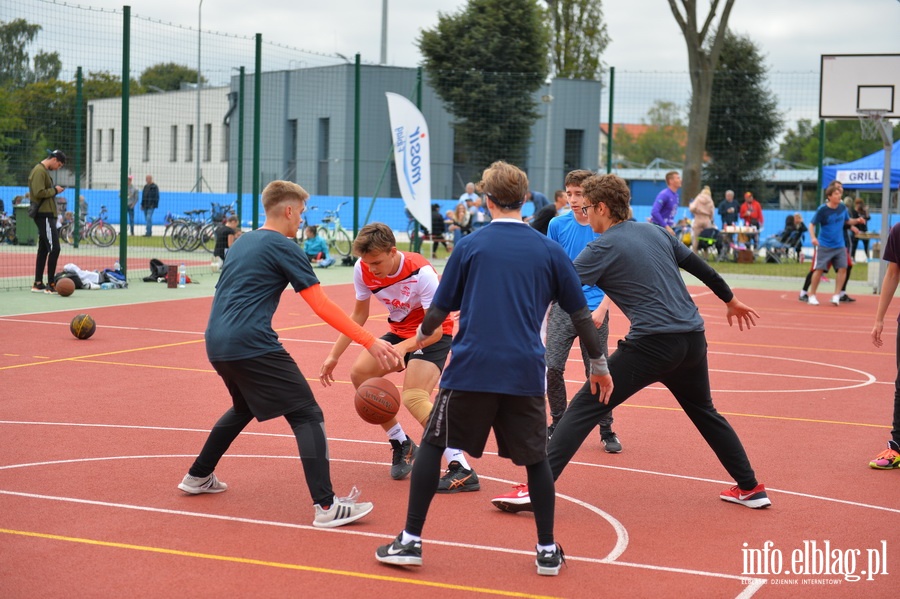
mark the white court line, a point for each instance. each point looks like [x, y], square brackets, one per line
[869, 377]
[340, 440]
[610, 559]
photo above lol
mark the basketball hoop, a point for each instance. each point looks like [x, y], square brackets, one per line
[871, 123]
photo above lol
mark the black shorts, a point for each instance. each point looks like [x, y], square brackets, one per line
[267, 386]
[436, 353]
[464, 419]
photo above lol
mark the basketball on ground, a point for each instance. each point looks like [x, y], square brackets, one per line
[65, 287]
[83, 326]
[377, 400]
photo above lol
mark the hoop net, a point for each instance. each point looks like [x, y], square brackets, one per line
[870, 123]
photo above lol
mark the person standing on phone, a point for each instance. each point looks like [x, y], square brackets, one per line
[149, 203]
[43, 191]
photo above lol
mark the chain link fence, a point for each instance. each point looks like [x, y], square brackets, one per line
[210, 118]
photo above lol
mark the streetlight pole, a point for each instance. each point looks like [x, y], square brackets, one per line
[384, 19]
[548, 100]
[198, 185]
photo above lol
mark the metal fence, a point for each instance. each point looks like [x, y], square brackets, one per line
[212, 117]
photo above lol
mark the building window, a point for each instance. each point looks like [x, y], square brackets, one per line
[290, 171]
[189, 143]
[99, 145]
[573, 152]
[324, 152]
[226, 142]
[146, 152]
[173, 150]
[112, 149]
[207, 142]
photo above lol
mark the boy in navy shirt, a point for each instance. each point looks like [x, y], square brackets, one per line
[501, 278]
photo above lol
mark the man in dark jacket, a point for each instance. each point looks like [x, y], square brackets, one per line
[149, 203]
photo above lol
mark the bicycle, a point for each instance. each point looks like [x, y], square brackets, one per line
[330, 229]
[8, 229]
[95, 230]
[190, 232]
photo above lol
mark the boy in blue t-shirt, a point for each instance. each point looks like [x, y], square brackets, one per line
[573, 232]
[496, 377]
[831, 247]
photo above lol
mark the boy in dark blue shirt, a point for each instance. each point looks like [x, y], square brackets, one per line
[501, 278]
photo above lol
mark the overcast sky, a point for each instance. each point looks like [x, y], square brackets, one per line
[791, 33]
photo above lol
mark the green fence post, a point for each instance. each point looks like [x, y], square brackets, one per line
[821, 160]
[79, 108]
[240, 149]
[123, 168]
[356, 126]
[609, 130]
[257, 91]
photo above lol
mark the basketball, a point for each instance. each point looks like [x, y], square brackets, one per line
[65, 287]
[83, 326]
[377, 400]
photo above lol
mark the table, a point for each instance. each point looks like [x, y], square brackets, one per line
[728, 239]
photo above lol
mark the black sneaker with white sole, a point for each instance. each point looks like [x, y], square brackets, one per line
[398, 554]
[549, 562]
[610, 442]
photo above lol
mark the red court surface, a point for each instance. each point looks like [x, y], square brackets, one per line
[95, 435]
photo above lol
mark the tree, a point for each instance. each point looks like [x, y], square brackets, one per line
[743, 120]
[168, 76]
[15, 68]
[579, 38]
[486, 62]
[103, 84]
[663, 138]
[703, 48]
[843, 142]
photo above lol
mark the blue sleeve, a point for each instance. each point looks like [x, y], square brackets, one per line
[569, 293]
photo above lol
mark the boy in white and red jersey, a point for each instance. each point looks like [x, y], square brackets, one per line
[405, 283]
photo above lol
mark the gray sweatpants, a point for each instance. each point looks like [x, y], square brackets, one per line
[560, 337]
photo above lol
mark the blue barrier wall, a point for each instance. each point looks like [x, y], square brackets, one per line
[386, 210]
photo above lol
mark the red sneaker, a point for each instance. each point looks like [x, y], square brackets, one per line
[517, 500]
[755, 498]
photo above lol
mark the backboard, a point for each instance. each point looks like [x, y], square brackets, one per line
[850, 83]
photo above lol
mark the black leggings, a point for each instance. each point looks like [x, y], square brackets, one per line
[309, 429]
[48, 247]
[679, 362]
[426, 473]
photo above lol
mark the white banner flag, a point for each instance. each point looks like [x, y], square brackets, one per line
[412, 156]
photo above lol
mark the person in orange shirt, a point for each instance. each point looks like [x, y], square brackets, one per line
[405, 283]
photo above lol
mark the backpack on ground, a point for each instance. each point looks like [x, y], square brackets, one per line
[158, 271]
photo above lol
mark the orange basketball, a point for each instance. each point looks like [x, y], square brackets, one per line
[65, 286]
[377, 400]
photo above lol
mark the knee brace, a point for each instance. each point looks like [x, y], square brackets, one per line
[418, 402]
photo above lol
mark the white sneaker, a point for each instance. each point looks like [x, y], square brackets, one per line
[195, 486]
[344, 510]
[836, 299]
[811, 300]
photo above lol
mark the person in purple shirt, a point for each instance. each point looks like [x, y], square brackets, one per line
[663, 212]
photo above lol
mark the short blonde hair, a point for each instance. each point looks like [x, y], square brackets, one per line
[277, 192]
[505, 185]
[374, 237]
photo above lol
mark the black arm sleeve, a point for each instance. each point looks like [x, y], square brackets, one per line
[434, 317]
[587, 332]
[703, 271]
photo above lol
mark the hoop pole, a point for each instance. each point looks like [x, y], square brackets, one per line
[887, 135]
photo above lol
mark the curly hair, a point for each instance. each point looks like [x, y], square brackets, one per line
[612, 190]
